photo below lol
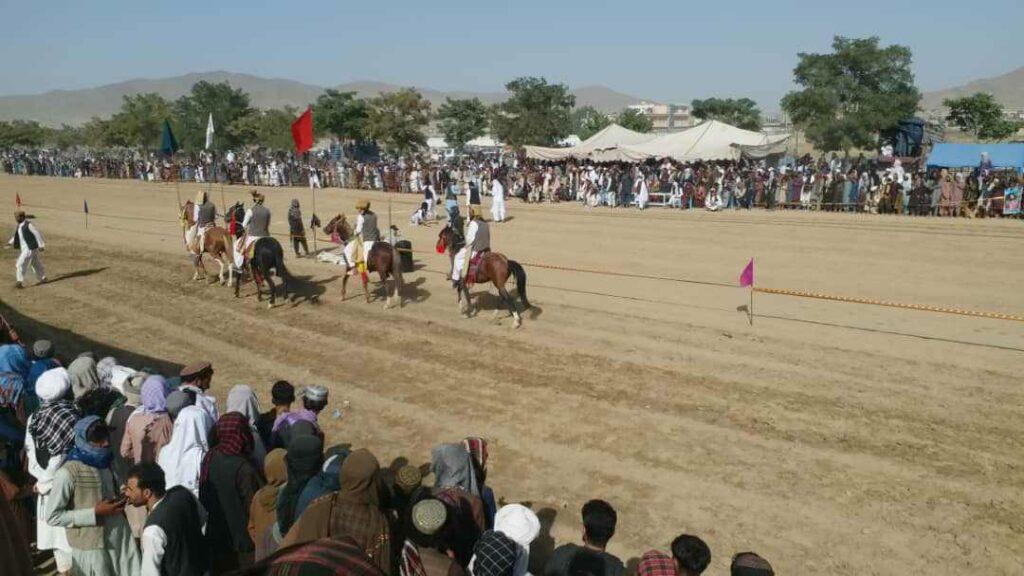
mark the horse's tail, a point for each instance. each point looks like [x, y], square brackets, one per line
[396, 269]
[517, 269]
[282, 271]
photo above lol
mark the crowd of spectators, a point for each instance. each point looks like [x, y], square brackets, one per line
[879, 185]
[119, 470]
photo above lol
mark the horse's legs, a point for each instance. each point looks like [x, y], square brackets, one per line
[197, 262]
[467, 308]
[365, 281]
[511, 304]
[257, 279]
[270, 286]
[220, 275]
[344, 283]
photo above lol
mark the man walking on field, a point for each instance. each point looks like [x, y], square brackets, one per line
[27, 238]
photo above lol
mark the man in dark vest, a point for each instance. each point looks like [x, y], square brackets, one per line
[366, 233]
[29, 240]
[204, 213]
[172, 541]
[256, 224]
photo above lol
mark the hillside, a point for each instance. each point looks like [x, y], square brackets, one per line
[1007, 88]
[77, 106]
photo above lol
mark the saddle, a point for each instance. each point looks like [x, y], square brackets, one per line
[474, 265]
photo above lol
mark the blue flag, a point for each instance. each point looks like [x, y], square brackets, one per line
[168, 143]
[85, 206]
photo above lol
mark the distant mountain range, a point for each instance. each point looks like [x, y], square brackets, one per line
[78, 106]
[1007, 88]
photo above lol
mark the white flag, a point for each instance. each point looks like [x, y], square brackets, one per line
[209, 132]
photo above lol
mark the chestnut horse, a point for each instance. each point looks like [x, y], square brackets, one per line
[216, 243]
[382, 259]
[494, 267]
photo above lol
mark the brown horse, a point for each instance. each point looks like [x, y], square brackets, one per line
[494, 267]
[382, 259]
[216, 243]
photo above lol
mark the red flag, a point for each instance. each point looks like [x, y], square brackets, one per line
[747, 276]
[17, 200]
[302, 131]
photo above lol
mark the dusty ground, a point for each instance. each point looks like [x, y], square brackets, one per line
[831, 438]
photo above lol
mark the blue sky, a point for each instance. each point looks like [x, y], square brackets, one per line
[664, 50]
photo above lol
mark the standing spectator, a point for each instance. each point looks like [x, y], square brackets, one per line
[354, 511]
[521, 525]
[172, 542]
[29, 240]
[750, 564]
[83, 375]
[119, 421]
[50, 434]
[227, 483]
[282, 395]
[182, 457]
[263, 510]
[195, 380]
[85, 501]
[243, 400]
[42, 352]
[296, 228]
[691, 555]
[314, 400]
[599, 520]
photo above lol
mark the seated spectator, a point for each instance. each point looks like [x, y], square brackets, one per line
[521, 525]
[322, 557]
[42, 352]
[599, 520]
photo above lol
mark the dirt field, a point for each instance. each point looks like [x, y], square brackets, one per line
[831, 438]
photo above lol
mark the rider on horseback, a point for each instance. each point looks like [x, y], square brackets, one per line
[204, 213]
[257, 225]
[478, 241]
[366, 232]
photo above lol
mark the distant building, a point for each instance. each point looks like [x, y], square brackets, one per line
[1014, 115]
[776, 123]
[665, 117]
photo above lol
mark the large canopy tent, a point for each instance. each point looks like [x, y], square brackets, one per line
[950, 155]
[609, 138]
[709, 140]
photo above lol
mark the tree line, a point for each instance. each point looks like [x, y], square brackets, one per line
[844, 99]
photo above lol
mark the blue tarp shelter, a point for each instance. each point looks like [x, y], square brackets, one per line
[949, 155]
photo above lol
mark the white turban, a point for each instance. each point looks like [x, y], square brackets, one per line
[119, 375]
[521, 525]
[53, 384]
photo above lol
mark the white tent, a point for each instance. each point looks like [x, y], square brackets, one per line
[609, 138]
[710, 140]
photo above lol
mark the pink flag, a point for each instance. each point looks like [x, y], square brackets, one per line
[747, 276]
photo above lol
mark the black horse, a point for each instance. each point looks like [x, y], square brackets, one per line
[267, 257]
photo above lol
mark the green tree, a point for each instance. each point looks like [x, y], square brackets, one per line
[981, 115]
[192, 111]
[462, 120]
[535, 113]
[848, 96]
[67, 137]
[396, 120]
[739, 112]
[96, 133]
[267, 128]
[340, 114]
[140, 120]
[26, 133]
[587, 121]
[635, 121]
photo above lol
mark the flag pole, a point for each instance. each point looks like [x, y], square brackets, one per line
[751, 304]
[313, 190]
